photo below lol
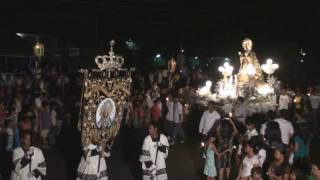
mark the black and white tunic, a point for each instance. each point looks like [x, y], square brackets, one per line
[28, 165]
[154, 154]
[93, 164]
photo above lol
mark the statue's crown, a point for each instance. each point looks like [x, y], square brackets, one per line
[110, 61]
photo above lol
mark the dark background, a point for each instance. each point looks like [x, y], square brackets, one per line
[203, 28]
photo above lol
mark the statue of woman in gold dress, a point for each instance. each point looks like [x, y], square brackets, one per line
[250, 70]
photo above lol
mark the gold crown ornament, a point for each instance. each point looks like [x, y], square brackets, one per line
[111, 61]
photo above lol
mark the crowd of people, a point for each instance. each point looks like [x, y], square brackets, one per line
[278, 144]
[275, 144]
[32, 105]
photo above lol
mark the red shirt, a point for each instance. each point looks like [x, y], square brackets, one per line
[155, 112]
[26, 125]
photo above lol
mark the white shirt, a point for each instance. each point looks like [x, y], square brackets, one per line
[149, 101]
[165, 73]
[247, 165]
[18, 106]
[284, 101]
[227, 108]
[314, 101]
[262, 155]
[155, 94]
[286, 129]
[53, 118]
[207, 121]
[38, 102]
[10, 139]
[174, 110]
[251, 133]
[240, 113]
[274, 101]
[263, 128]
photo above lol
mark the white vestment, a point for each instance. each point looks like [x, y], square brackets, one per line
[93, 164]
[28, 165]
[151, 153]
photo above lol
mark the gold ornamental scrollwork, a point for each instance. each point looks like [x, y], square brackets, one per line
[105, 94]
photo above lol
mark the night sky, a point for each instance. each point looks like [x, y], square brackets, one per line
[203, 28]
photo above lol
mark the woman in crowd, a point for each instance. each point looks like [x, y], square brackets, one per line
[226, 131]
[279, 167]
[297, 174]
[272, 133]
[300, 144]
[315, 171]
[250, 161]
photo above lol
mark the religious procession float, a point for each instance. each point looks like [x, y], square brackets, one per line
[249, 84]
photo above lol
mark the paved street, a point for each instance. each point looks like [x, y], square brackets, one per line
[184, 162]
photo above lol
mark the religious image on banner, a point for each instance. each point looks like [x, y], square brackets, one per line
[106, 113]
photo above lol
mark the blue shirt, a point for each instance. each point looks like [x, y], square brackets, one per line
[302, 148]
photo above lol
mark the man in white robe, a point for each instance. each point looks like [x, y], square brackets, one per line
[28, 161]
[93, 164]
[154, 153]
[209, 117]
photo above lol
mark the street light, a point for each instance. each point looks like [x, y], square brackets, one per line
[38, 49]
[20, 35]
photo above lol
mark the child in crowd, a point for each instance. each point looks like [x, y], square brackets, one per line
[251, 128]
[297, 174]
[256, 173]
[279, 166]
[210, 168]
[250, 132]
[315, 172]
